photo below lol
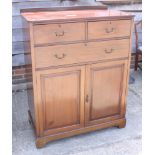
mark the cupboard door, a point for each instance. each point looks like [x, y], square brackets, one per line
[106, 89]
[60, 99]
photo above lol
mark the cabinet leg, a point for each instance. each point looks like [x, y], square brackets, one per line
[122, 124]
[40, 143]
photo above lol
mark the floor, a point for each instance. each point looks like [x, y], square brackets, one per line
[112, 141]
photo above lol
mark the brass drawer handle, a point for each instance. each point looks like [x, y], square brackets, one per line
[109, 30]
[60, 34]
[60, 57]
[108, 51]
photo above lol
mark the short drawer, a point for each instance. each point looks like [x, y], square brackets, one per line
[78, 53]
[53, 33]
[109, 29]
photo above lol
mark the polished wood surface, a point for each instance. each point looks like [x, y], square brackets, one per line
[80, 66]
[51, 33]
[93, 51]
[76, 14]
[109, 29]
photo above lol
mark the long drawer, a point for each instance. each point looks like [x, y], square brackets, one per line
[109, 29]
[53, 33]
[77, 53]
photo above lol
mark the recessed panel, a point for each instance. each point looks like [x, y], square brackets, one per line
[61, 95]
[106, 89]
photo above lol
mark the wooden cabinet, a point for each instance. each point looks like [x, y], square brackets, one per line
[80, 67]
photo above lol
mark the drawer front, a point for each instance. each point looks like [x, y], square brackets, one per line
[109, 29]
[52, 33]
[77, 53]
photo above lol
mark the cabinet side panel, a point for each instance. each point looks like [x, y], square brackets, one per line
[28, 60]
[128, 64]
[32, 92]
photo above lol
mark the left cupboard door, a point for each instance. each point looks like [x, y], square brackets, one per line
[60, 99]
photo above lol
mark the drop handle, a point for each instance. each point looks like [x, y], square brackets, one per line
[109, 30]
[60, 56]
[108, 51]
[60, 34]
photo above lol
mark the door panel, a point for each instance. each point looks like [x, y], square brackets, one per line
[106, 90]
[62, 99]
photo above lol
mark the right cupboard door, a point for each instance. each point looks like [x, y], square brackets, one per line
[106, 86]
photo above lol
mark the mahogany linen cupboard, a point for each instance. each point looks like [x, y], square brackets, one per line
[80, 65]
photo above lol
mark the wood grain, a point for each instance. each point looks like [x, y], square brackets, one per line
[82, 52]
[58, 33]
[70, 15]
[63, 107]
[105, 89]
[109, 29]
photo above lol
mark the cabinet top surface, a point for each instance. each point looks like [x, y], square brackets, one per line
[70, 15]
